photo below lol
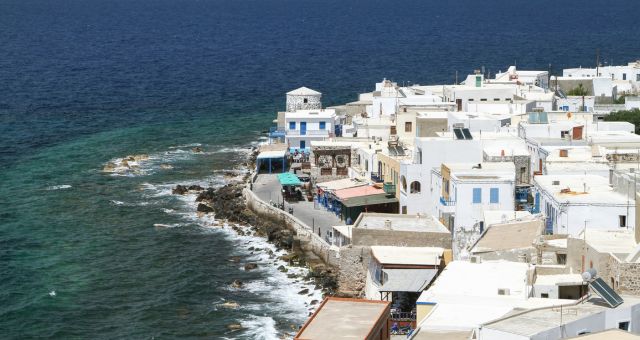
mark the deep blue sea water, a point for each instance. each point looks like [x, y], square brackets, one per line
[85, 82]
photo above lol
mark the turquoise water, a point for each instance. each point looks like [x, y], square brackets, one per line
[89, 238]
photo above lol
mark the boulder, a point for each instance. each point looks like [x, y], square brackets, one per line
[304, 291]
[195, 187]
[250, 266]
[234, 326]
[230, 305]
[237, 284]
[109, 167]
[180, 190]
[196, 149]
[235, 259]
[204, 208]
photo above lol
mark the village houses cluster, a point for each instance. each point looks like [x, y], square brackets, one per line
[499, 207]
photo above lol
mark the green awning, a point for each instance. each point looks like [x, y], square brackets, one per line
[288, 178]
[369, 200]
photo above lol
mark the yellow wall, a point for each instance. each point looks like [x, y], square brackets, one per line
[422, 311]
[390, 171]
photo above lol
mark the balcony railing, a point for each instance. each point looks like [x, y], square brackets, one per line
[376, 177]
[446, 202]
[389, 188]
[275, 133]
[308, 133]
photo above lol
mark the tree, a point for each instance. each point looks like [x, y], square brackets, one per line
[619, 100]
[631, 116]
[577, 91]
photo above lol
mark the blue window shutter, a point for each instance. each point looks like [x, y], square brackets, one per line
[292, 125]
[477, 195]
[494, 195]
[323, 125]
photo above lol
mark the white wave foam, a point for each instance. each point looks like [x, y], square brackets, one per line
[59, 187]
[260, 327]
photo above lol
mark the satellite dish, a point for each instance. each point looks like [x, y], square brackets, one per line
[593, 272]
[586, 276]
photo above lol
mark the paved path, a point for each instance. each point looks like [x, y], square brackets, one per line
[268, 189]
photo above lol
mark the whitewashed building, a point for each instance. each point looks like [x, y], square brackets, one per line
[304, 126]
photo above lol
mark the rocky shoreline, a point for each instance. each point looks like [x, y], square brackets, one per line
[227, 203]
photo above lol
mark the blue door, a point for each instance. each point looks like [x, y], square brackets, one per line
[302, 144]
[303, 128]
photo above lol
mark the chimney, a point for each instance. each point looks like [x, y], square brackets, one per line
[387, 224]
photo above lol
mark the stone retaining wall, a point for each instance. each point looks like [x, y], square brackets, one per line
[350, 262]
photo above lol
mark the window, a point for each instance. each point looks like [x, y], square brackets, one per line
[305, 100]
[403, 182]
[477, 195]
[292, 125]
[623, 221]
[561, 258]
[494, 195]
[323, 125]
[404, 209]
[366, 165]
[415, 187]
[564, 153]
[624, 325]
[470, 99]
[407, 127]
[544, 295]
[478, 81]
[624, 76]
[483, 99]
[496, 99]
[638, 77]
[564, 133]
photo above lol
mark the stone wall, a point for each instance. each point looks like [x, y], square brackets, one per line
[295, 103]
[623, 276]
[350, 262]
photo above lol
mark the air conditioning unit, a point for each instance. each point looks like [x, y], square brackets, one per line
[555, 183]
[475, 259]
[504, 291]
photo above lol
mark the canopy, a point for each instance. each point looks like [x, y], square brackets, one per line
[407, 280]
[368, 200]
[288, 178]
[271, 154]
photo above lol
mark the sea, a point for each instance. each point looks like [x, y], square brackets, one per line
[193, 84]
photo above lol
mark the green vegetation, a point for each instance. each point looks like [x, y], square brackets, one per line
[577, 91]
[631, 116]
[619, 100]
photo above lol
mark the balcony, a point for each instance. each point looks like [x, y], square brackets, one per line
[320, 133]
[389, 188]
[376, 177]
[275, 133]
[447, 203]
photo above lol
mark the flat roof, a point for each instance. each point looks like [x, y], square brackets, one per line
[610, 241]
[609, 334]
[509, 236]
[340, 184]
[418, 223]
[497, 171]
[597, 188]
[503, 216]
[532, 322]
[423, 256]
[322, 113]
[343, 318]
[272, 154]
[559, 280]
[363, 190]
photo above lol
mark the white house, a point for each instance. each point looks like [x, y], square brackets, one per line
[462, 192]
[535, 78]
[626, 77]
[573, 202]
[304, 126]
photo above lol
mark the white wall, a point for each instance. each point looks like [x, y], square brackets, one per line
[469, 213]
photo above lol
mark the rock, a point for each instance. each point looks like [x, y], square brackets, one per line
[237, 284]
[283, 269]
[195, 187]
[230, 305]
[250, 266]
[304, 291]
[234, 326]
[204, 208]
[166, 166]
[235, 259]
[125, 163]
[196, 149]
[138, 158]
[313, 302]
[109, 167]
[179, 190]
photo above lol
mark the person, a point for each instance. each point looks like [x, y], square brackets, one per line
[349, 221]
[394, 328]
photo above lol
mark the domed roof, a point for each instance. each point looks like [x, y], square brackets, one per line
[304, 91]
